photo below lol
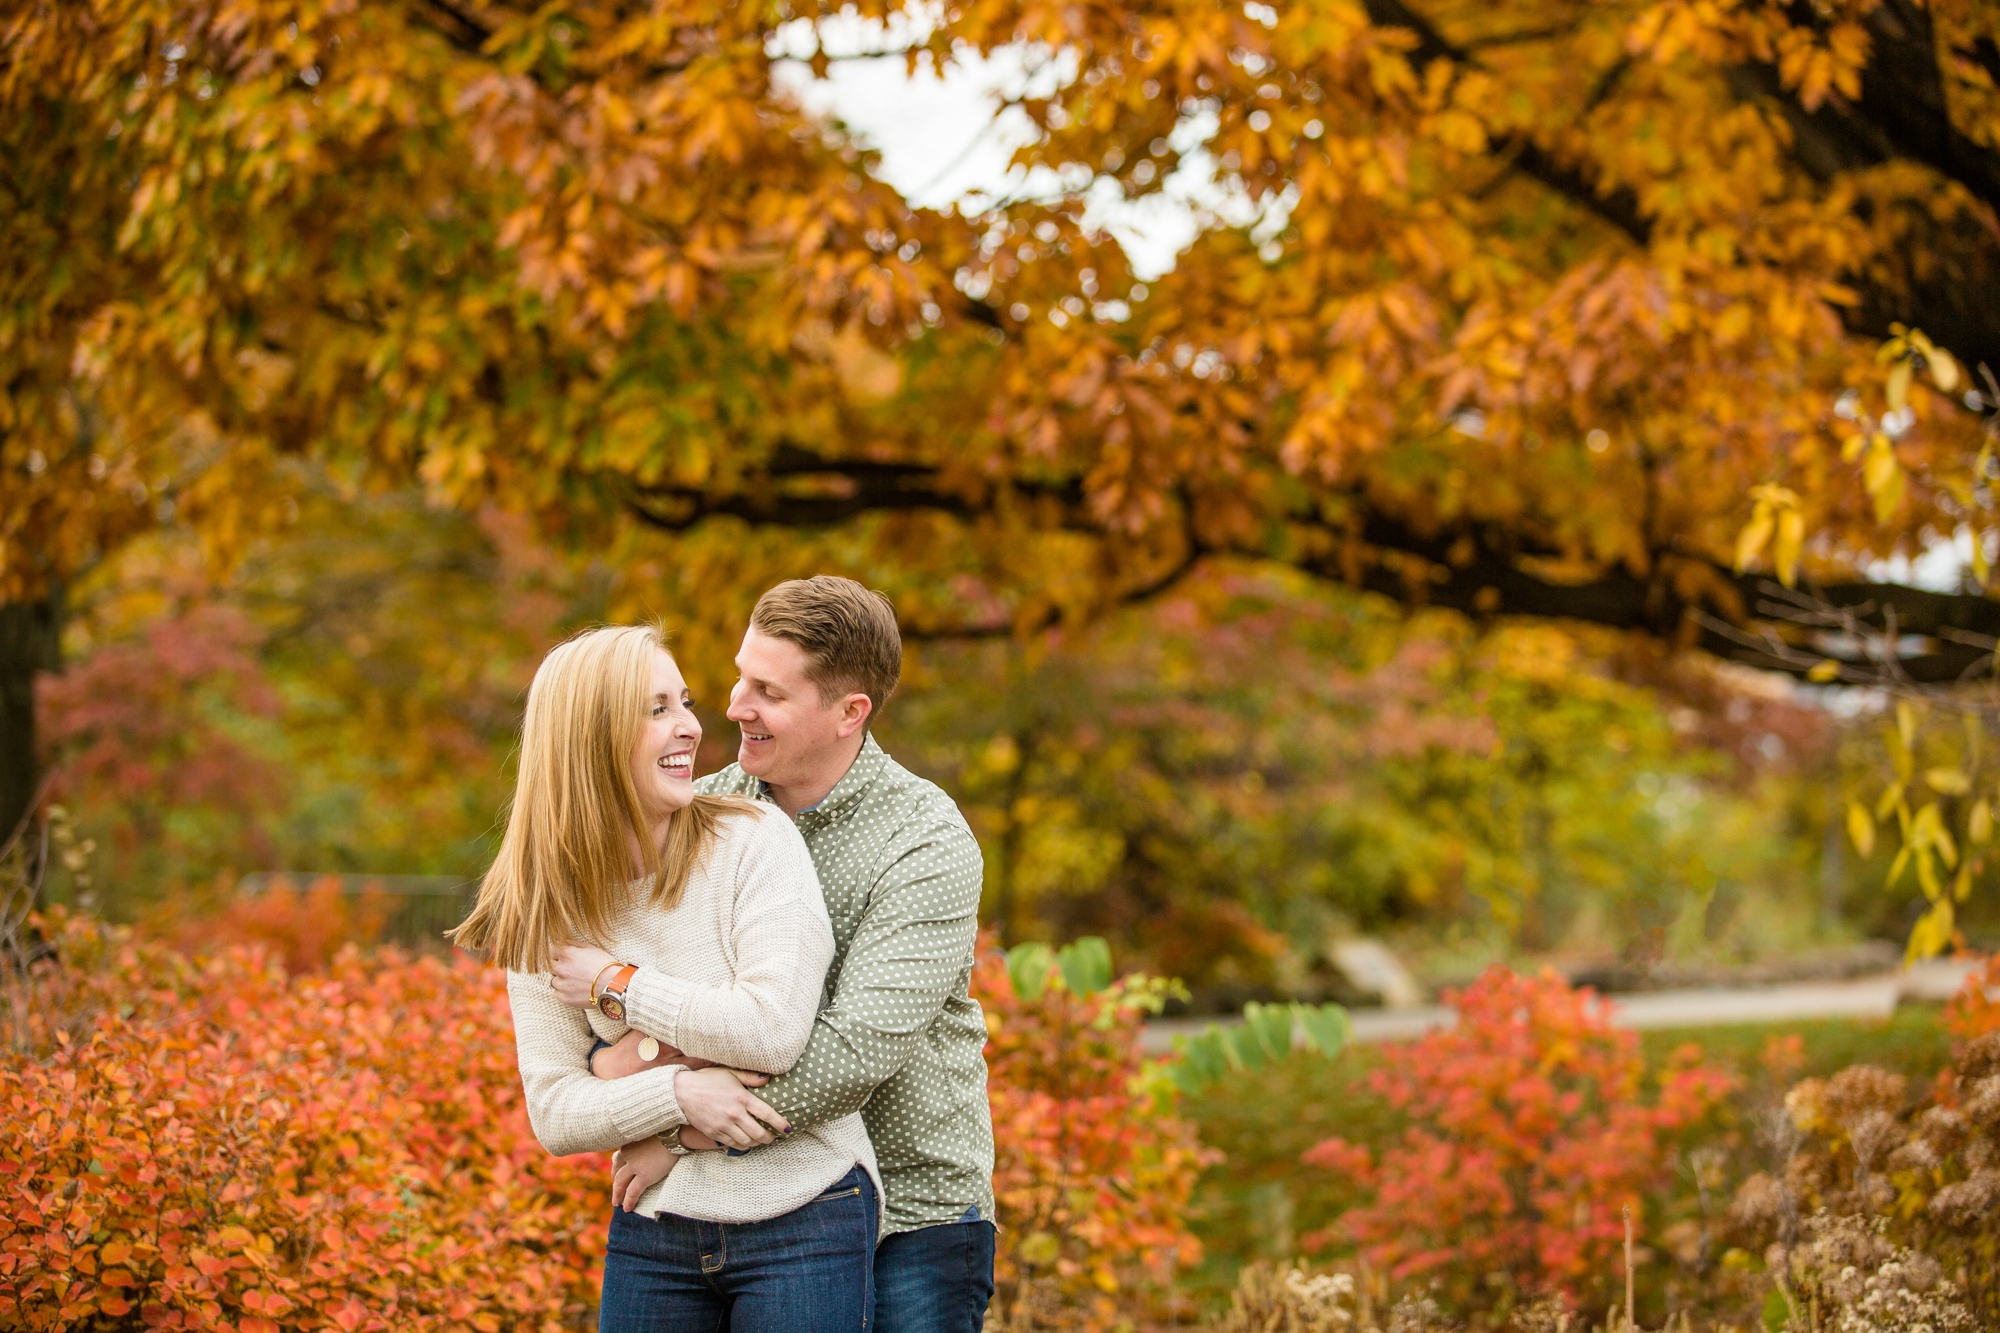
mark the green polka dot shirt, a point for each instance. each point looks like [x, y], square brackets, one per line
[898, 1038]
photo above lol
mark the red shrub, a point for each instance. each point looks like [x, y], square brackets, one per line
[219, 1147]
[210, 1143]
[1093, 1168]
[1529, 1134]
[135, 730]
[1975, 1010]
[304, 928]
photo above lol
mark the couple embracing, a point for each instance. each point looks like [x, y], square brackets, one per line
[752, 987]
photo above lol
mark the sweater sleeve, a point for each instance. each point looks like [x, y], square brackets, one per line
[781, 943]
[571, 1110]
[909, 956]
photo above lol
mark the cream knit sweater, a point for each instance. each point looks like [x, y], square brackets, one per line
[734, 973]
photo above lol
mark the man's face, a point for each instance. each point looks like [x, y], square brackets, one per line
[790, 735]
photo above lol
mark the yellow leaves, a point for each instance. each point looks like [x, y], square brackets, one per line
[1882, 476]
[1928, 833]
[1979, 824]
[1791, 539]
[1948, 781]
[1732, 324]
[1860, 829]
[1816, 70]
[1823, 672]
[1898, 388]
[1905, 348]
[1776, 511]
[1932, 933]
[1750, 542]
[1944, 370]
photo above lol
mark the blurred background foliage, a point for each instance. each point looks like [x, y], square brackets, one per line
[1225, 780]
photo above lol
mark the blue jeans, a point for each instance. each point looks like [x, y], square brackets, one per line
[934, 1279]
[807, 1271]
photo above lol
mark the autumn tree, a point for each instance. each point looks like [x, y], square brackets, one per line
[1532, 297]
[1238, 775]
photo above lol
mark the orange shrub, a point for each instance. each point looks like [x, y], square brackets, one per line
[1975, 1010]
[304, 928]
[209, 1144]
[1093, 1168]
[1529, 1134]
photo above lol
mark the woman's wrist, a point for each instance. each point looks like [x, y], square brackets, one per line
[600, 976]
[611, 1000]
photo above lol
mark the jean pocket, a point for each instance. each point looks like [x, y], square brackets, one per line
[847, 1187]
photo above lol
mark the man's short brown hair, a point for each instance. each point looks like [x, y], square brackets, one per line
[847, 632]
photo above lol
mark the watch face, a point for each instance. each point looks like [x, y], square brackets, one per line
[612, 1007]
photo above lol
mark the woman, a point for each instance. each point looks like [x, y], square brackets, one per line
[703, 902]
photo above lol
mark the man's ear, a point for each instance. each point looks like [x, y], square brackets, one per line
[854, 711]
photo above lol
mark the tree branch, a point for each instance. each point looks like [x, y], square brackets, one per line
[1481, 570]
[1619, 207]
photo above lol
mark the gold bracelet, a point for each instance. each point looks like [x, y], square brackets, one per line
[600, 976]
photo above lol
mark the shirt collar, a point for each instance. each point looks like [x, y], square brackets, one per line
[858, 778]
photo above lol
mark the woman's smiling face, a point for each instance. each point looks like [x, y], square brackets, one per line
[663, 764]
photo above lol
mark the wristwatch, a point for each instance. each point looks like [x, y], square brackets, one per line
[611, 1000]
[672, 1140]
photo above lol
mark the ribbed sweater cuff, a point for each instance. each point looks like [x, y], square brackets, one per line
[653, 1003]
[644, 1104]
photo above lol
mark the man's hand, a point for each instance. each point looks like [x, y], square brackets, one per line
[718, 1104]
[576, 967]
[639, 1166]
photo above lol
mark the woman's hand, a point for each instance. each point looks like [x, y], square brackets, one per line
[576, 968]
[640, 1166]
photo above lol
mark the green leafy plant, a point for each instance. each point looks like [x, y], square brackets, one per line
[1268, 1032]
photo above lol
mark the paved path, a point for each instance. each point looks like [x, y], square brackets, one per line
[1867, 997]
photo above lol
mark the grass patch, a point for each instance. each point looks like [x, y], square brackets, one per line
[1260, 1199]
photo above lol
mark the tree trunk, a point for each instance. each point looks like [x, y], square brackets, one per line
[30, 634]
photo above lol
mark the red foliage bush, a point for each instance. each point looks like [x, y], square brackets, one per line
[1529, 1135]
[1093, 1168]
[133, 728]
[304, 929]
[1975, 1010]
[210, 1144]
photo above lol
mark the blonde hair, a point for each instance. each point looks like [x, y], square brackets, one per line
[566, 855]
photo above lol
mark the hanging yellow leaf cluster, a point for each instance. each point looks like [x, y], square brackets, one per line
[1929, 800]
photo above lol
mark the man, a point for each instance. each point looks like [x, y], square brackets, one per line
[899, 1037]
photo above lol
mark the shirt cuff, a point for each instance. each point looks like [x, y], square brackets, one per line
[654, 1001]
[644, 1104]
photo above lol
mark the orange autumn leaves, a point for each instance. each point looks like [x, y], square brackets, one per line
[228, 1147]
[1531, 1131]
[204, 1142]
[594, 263]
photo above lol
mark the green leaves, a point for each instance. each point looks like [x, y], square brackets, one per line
[1269, 1033]
[1028, 968]
[1326, 1026]
[1083, 966]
